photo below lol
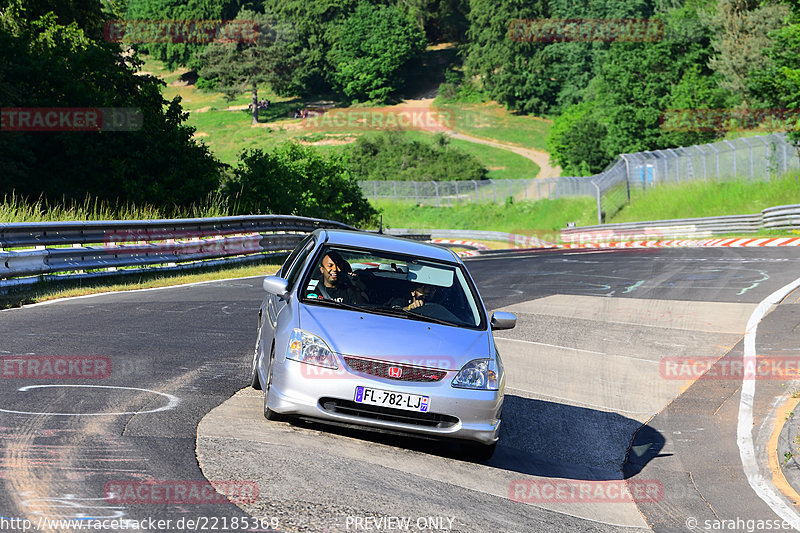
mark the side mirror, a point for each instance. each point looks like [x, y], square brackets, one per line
[503, 320]
[277, 286]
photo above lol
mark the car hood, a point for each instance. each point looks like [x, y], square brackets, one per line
[395, 339]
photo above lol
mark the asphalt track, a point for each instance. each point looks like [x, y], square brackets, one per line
[587, 402]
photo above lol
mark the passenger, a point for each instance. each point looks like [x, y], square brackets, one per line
[420, 294]
[331, 286]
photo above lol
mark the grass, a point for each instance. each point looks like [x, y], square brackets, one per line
[542, 218]
[490, 120]
[15, 209]
[147, 280]
[706, 199]
[227, 132]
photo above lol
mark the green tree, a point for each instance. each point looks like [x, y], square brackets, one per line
[305, 67]
[778, 85]
[741, 38]
[509, 69]
[577, 140]
[44, 63]
[297, 180]
[175, 53]
[235, 65]
[373, 47]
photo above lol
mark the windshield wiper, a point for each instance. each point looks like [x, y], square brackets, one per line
[419, 316]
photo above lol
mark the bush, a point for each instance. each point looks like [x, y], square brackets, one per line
[296, 180]
[392, 156]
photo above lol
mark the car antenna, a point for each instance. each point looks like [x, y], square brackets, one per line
[380, 228]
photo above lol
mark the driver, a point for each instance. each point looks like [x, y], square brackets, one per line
[331, 287]
[419, 295]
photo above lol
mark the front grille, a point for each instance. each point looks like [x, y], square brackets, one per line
[387, 414]
[381, 369]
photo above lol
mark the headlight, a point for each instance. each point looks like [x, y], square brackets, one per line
[310, 349]
[481, 374]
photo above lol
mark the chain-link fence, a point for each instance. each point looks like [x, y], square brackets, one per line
[446, 193]
[751, 158]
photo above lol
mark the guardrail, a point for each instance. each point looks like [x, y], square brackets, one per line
[786, 217]
[34, 252]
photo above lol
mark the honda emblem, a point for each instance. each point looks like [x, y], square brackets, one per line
[395, 372]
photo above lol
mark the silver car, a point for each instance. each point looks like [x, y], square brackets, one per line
[367, 329]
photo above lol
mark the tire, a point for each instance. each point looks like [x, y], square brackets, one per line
[477, 451]
[255, 382]
[269, 414]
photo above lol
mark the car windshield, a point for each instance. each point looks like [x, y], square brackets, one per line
[389, 284]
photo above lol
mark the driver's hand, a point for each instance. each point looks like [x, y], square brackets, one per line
[414, 305]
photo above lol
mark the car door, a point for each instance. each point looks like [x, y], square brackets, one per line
[291, 271]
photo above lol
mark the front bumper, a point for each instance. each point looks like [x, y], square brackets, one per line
[301, 390]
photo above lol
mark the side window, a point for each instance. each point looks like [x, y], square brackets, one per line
[296, 268]
[292, 256]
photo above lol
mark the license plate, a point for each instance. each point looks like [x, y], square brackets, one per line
[398, 400]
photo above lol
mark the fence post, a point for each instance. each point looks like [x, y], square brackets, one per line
[494, 191]
[510, 189]
[734, 157]
[599, 205]
[627, 175]
[716, 157]
[785, 159]
[456, 190]
[476, 190]
[375, 189]
[416, 192]
[705, 176]
[436, 188]
[750, 148]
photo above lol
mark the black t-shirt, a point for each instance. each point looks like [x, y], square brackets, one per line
[344, 294]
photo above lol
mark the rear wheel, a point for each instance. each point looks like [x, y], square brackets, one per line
[269, 414]
[255, 382]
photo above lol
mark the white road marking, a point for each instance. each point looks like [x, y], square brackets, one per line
[578, 350]
[744, 431]
[173, 401]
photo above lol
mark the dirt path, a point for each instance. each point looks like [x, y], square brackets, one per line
[542, 159]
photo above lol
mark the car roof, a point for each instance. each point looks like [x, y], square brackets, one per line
[387, 243]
